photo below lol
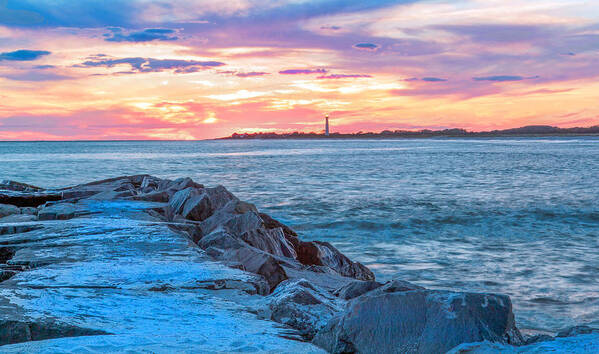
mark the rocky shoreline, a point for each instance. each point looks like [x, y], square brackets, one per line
[198, 241]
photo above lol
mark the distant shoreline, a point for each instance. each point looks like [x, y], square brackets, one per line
[523, 132]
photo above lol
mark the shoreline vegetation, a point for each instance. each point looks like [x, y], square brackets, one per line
[526, 131]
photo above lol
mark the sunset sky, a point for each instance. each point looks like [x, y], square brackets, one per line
[182, 69]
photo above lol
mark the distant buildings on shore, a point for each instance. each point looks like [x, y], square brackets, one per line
[532, 130]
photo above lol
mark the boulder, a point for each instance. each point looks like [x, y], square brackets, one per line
[323, 253]
[7, 209]
[419, 321]
[356, 288]
[156, 196]
[272, 241]
[252, 287]
[259, 262]
[220, 239]
[191, 203]
[12, 331]
[18, 186]
[29, 210]
[16, 218]
[395, 285]
[6, 254]
[60, 211]
[219, 196]
[576, 330]
[27, 199]
[197, 208]
[301, 305]
[271, 223]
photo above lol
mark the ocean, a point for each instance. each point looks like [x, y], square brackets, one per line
[518, 216]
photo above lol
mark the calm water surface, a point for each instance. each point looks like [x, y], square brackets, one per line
[516, 216]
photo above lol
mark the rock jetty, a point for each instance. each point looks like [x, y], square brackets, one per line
[97, 265]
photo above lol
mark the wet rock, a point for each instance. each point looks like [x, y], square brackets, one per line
[419, 321]
[17, 229]
[272, 241]
[259, 262]
[396, 285]
[18, 186]
[537, 338]
[356, 288]
[220, 239]
[19, 331]
[182, 183]
[26, 199]
[576, 330]
[7, 209]
[301, 305]
[329, 256]
[29, 210]
[60, 211]
[17, 218]
[271, 223]
[159, 197]
[6, 254]
[6, 274]
[219, 196]
[252, 287]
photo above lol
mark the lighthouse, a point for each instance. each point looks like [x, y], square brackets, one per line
[326, 125]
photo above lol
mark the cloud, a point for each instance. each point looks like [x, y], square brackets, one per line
[36, 76]
[343, 76]
[147, 35]
[23, 55]
[366, 46]
[426, 79]
[251, 74]
[139, 64]
[330, 28]
[303, 71]
[504, 78]
[501, 33]
[433, 79]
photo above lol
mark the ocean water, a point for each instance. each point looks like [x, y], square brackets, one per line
[514, 216]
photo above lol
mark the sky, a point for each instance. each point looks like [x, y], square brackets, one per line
[183, 69]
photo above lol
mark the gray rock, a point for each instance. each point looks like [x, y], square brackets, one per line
[18, 331]
[183, 183]
[27, 199]
[301, 305]
[576, 330]
[177, 201]
[29, 210]
[220, 239]
[419, 321]
[18, 228]
[356, 288]
[16, 218]
[260, 262]
[537, 338]
[60, 211]
[18, 186]
[219, 196]
[252, 287]
[272, 241]
[154, 196]
[197, 208]
[331, 257]
[7, 209]
[396, 285]
[6, 254]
